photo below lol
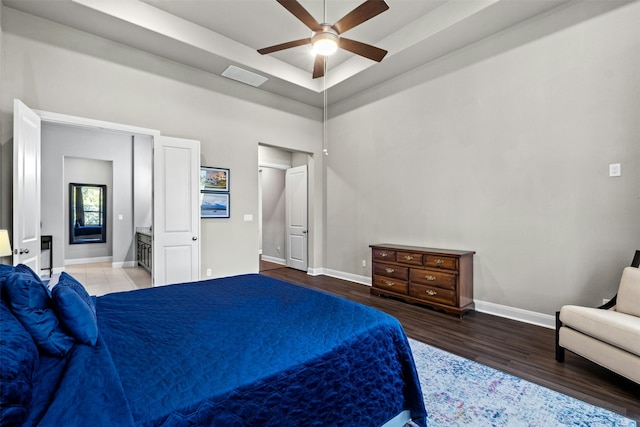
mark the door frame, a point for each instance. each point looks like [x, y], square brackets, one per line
[64, 119]
[311, 229]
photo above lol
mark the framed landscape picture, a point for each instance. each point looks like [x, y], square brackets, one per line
[214, 205]
[214, 179]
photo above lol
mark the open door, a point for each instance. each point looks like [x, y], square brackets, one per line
[296, 217]
[26, 186]
[176, 210]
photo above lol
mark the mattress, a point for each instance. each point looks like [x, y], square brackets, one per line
[240, 351]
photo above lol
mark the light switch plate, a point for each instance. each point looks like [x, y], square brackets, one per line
[248, 217]
[614, 169]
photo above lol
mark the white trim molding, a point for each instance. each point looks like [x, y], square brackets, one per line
[274, 260]
[315, 271]
[125, 264]
[77, 261]
[363, 280]
[514, 313]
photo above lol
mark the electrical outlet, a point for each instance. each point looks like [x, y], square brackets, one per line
[364, 262]
[208, 272]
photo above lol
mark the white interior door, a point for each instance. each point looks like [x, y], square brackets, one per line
[26, 186]
[296, 217]
[176, 210]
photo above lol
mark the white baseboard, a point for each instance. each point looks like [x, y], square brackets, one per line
[125, 264]
[513, 313]
[363, 280]
[274, 260]
[77, 261]
[314, 271]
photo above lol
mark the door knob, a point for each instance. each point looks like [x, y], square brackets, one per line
[194, 238]
[24, 251]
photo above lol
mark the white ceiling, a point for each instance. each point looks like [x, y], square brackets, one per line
[213, 34]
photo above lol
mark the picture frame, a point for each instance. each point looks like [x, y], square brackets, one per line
[215, 205]
[214, 179]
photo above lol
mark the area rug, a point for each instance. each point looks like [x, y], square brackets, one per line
[460, 392]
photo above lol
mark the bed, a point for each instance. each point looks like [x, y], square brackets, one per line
[246, 350]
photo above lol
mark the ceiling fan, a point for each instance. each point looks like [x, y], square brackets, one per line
[326, 38]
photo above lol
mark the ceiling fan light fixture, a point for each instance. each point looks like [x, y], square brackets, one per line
[325, 42]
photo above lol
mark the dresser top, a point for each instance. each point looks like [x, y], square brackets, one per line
[421, 249]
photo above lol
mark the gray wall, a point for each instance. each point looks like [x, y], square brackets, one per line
[54, 68]
[142, 181]
[502, 148]
[273, 225]
[60, 141]
[79, 171]
[273, 161]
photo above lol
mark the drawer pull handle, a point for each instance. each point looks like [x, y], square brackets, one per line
[430, 277]
[430, 292]
[389, 284]
[383, 254]
[439, 261]
[389, 270]
[408, 257]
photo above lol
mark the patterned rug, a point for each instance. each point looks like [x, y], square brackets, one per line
[460, 392]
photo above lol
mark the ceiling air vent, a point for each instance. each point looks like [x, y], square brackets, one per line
[244, 76]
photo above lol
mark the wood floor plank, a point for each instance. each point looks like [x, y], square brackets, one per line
[520, 349]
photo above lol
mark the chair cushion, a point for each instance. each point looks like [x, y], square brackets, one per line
[628, 300]
[615, 328]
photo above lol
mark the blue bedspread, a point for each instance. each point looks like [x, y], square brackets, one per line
[254, 351]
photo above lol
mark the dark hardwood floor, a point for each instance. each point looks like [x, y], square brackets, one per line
[517, 348]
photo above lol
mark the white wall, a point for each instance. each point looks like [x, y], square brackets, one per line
[54, 68]
[502, 148]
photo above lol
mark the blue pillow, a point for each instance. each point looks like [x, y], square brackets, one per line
[75, 309]
[5, 270]
[31, 305]
[18, 361]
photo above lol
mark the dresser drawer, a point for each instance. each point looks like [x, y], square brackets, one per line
[393, 285]
[409, 258]
[429, 293]
[438, 279]
[383, 254]
[437, 261]
[393, 271]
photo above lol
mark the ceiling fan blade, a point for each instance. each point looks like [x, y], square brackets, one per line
[360, 14]
[318, 66]
[301, 13]
[284, 46]
[362, 49]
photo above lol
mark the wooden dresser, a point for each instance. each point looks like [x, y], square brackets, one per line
[439, 278]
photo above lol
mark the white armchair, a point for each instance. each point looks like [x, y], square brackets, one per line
[608, 335]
